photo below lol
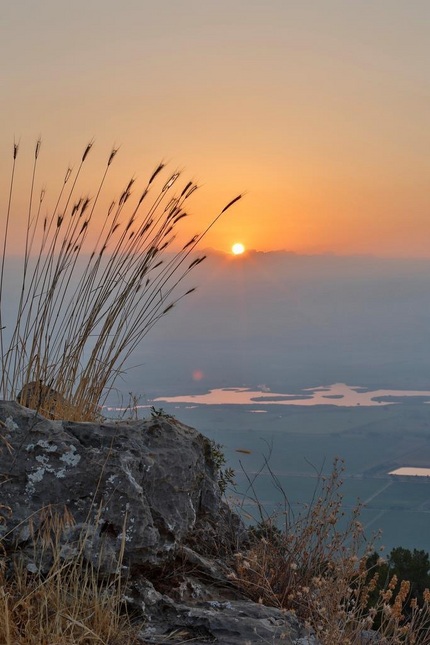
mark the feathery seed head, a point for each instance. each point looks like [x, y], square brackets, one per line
[233, 201]
[112, 156]
[180, 216]
[142, 197]
[170, 182]
[37, 148]
[193, 239]
[84, 206]
[155, 173]
[197, 261]
[87, 150]
[190, 192]
[190, 183]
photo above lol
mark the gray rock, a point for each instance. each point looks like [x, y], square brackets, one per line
[149, 483]
[228, 622]
[142, 497]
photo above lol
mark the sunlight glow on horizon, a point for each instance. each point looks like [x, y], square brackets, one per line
[238, 248]
[334, 94]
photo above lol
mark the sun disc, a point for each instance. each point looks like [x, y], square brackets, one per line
[238, 248]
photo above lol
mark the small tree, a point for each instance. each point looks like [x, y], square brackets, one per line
[405, 565]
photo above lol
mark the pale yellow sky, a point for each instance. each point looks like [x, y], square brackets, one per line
[319, 110]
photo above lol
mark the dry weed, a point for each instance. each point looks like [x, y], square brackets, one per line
[80, 317]
[64, 602]
[316, 566]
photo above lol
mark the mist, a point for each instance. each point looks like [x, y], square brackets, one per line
[291, 321]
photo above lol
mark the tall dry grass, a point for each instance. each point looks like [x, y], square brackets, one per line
[75, 327]
[316, 565]
[59, 597]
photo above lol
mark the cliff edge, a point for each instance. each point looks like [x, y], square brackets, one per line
[140, 496]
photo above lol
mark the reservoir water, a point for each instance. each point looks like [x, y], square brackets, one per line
[338, 394]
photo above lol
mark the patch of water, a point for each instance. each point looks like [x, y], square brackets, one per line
[338, 394]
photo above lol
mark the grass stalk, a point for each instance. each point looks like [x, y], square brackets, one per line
[82, 313]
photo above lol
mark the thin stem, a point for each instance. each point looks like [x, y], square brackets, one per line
[5, 240]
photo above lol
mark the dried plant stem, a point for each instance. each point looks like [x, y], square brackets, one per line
[80, 317]
[317, 565]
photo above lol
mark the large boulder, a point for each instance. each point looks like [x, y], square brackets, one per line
[154, 479]
[142, 497]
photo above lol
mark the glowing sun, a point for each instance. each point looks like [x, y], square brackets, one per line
[237, 248]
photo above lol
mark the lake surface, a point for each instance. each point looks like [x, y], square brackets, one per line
[338, 394]
[406, 471]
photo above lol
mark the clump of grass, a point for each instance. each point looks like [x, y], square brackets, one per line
[65, 602]
[79, 317]
[316, 565]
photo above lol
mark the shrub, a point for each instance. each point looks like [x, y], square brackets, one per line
[317, 565]
[79, 317]
[401, 567]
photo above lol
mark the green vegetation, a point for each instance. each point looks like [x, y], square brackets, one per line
[225, 475]
[402, 565]
[159, 413]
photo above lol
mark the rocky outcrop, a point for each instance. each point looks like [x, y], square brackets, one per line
[146, 497]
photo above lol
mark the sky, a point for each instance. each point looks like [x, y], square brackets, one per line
[318, 111]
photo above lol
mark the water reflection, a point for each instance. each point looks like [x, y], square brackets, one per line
[407, 471]
[338, 394]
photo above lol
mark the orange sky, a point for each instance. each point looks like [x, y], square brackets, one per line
[318, 110]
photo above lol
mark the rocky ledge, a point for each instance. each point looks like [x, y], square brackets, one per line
[146, 496]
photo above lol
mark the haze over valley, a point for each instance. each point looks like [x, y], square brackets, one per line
[281, 324]
[289, 322]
